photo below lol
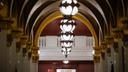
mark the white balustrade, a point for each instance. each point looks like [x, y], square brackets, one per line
[50, 48]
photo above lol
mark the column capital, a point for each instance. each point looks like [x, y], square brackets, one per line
[109, 40]
[6, 23]
[29, 45]
[117, 33]
[23, 40]
[97, 50]
[35, 58]
[35, 50]
[96, 58]
[103, 46]
[17, 32]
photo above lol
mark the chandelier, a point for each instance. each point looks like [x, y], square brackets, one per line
[67, 25]
[68, 8]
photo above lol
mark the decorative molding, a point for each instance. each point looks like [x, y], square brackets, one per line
[96, 58]
[35, 51]
[35, 58]
[6, 24]
[103, 46]
[28, 45]
[17, 32]
[35, 55]
[23, 40]
[117, 34]
[109, 40]
[124, 23]
[97, 50]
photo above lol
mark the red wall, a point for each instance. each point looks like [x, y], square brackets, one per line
[80, 66]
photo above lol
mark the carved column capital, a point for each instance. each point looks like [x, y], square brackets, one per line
[124, 24]
[109, 40]
[35, 55]
[117, 33]
[5, 23]
[17, 32]
[97, 50]
[23, 40]
[35, 50]
[103, 46]
[35, 58]
[96, 58]
[28, 45]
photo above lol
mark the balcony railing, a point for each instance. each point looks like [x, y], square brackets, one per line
[50, 48]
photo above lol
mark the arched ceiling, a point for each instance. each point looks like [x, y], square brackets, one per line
[101, 13]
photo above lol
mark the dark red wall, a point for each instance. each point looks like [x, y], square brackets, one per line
[80, 66]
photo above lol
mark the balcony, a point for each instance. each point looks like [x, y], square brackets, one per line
[50, 48]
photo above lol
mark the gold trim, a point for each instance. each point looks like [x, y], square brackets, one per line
[57, 15]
